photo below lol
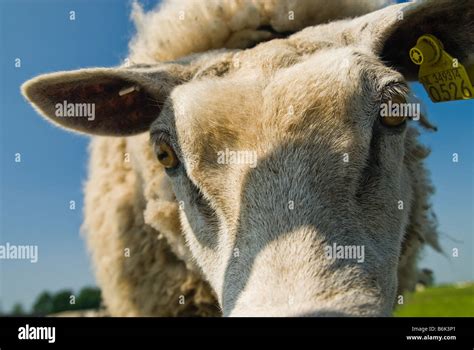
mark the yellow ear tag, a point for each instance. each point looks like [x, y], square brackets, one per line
[444, 78]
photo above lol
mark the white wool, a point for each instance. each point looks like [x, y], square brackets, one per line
[179, 28]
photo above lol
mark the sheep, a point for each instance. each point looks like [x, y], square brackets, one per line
[186, 236]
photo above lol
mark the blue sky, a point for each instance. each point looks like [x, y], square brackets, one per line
[35, 194]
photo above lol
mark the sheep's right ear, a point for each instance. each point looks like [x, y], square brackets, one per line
[104, 101]
[394, 30]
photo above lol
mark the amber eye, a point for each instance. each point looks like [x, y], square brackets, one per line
[166, 156]
[394, 111]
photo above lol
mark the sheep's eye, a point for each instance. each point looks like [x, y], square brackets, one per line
[166, 156]
[393, 112]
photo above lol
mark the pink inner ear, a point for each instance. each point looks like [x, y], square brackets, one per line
[118, 115]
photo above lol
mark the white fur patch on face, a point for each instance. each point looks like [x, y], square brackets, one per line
[259, 239]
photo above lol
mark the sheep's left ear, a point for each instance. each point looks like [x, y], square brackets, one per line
[104, 101]
[394, 30]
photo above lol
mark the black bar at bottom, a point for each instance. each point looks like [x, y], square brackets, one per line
[447, 333]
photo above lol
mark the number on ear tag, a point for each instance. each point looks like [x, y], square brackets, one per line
[444, 78]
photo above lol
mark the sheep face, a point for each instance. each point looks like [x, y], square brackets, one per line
[295, 192]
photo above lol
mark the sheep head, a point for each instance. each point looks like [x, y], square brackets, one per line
[279, 155]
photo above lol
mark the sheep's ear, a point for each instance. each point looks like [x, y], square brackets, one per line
[103, 101]
[392, 31]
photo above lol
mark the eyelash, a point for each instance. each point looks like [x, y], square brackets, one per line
[160, 136]
[394, 88]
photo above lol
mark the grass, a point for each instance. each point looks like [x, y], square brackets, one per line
[442, 301]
